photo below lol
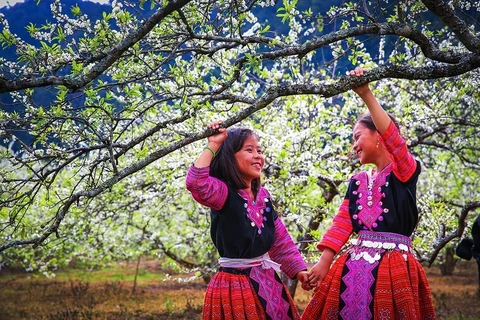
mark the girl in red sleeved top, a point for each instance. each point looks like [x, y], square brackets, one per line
[378, 276]
[251, 239]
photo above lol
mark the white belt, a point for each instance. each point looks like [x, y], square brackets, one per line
[263, 261]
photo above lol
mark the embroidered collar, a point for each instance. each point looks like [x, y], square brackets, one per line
[255, 209]
[369, 195]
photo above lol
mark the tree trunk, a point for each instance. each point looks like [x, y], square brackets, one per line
[136, 275]
[207, 276]
[448, 262]
[478, 266]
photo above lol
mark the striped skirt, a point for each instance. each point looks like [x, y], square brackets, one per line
[377, 278]
[253, 293]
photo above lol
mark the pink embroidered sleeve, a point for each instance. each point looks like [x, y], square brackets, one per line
[404, 164]
[206, 190]
[337, 235]
[285, 252]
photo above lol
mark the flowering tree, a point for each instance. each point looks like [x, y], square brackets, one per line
[130, 95]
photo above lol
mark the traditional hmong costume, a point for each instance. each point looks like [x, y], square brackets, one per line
[252, 242]
[377, 276]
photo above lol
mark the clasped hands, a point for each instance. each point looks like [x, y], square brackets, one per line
[312, 279]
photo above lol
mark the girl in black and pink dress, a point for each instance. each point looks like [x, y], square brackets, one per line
[251, 239]
[377, 276]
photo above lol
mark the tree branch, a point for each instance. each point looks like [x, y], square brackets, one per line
[398, 29]
[442, 241]
[445, 12]
[100, 67]
[174, 257]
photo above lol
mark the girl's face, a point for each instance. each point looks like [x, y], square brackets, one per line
[365, 144]
[250, 159]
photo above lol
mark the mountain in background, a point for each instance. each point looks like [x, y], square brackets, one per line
[21, 15]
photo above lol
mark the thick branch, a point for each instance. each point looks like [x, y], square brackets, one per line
[345, 83]
[332, 190]
[398, 29]
[174, 257]
[445, 12]
[387, 28]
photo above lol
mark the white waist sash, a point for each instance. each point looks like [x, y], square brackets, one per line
[239, 263]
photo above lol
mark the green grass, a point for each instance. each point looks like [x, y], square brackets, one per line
[114, 273]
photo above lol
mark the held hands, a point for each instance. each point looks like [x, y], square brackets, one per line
[302, 276]
[317, 274]
[363, 89]
[321, 268]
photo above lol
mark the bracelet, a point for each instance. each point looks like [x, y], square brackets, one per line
[211, 150]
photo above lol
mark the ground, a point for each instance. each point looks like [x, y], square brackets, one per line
[108, 294]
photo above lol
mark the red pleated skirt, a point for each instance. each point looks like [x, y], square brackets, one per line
[401, 291]
[232, 296]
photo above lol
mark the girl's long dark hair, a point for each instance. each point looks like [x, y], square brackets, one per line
[367, 121]
[225, 167]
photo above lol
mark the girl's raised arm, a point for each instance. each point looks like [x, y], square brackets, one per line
[205, 189]
[379, 116]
